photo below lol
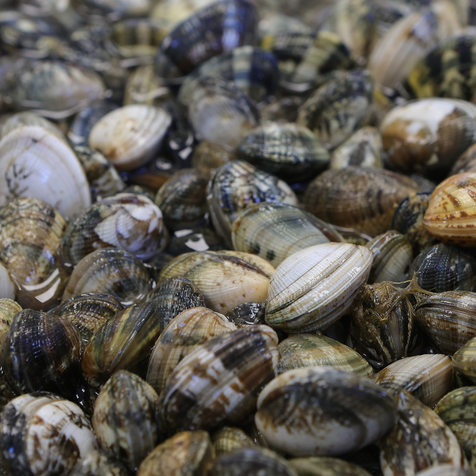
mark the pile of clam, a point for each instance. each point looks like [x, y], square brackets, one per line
[237, 237]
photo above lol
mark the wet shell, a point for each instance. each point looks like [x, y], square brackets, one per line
[42, 352]
[131, 135]
[325, 466]
[339, 107]
[275, 231]
[464, 360]
[445, 470]
[227, 439]
[363, 149]
[143, 87]
[428, 134]
[110, 271]
[466, 162]
[451, 209]
[225, 279]
[88, 312]
[35, 163]
[208, 155]
[182, 199]
[219, 382]
[128, 221]
[358, 197]
[187, 453]
[44, 435]
[181, 337]
[247, 314]
[7, 286]
[99, 463]
[28, 118]
[393, 255]
[402, 451]
[323, 411]
[316, 286]
[30, 234]
[308, 350]
[122, 342]
[444, 268]
[125, 418]
[287, 150]
[236, 185]
[427, 377]
[8, 310]
[220, 112]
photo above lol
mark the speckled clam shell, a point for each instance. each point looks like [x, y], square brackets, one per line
[182, 199]
[362, 149]
[44, 434]
[314, 287]
[382, 326]
[131, 135]
[8, 310]
[99, 463]
[464, 360]
[52, 363]
[451, 210]
[125, 418]
[402, 451]
[251, 461]
[428, 134]
[30, 236]
[128, 221]
[220, 112]
[53, 88]
[448, 319]
[339, 107]
[187, 452]
[122, 342]
[443, 268]
[308, 350]
[287, 150]
[323, 411]
[111, 271]
[275, 231]
[393, 255]
[236, 185]
[225, 278]
[87, 312]
[50, 171]
[358, 197]
[228, 439]
[427, 377]
[182, 336]
[219, 382]
[325, 466]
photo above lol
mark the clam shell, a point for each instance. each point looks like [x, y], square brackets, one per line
[247, 314]
[131, 135]
[228, 439]
[326, 466]
[230, 368]
[143, 87]
[8, 310]
[28, 118]
[465, 163]
[99, 463]
[44, 434]
[427, 377]
[323, 411]
[316, 286]
[7, 286]
[445, 470]
[50, 171]
[464, 360]
[209, 156]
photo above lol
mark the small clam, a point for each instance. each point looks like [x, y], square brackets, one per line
[28, 118]
[445, 470]
[131, 135]
[44, 435]
[464, 360]
[209, 156]
[247, 314]
[125, 418]
[228, 439]
[465, 162]
[8, 310]
[323, 411]
[143, 87]
[314, 287]
[7, 285]
[99, 463]
[220, 381]
[325, 466]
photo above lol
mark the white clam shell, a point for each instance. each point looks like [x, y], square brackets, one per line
[36, 163]
[130, 136]
[7, 287]
[316, 286]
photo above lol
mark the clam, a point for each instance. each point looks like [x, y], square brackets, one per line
[36, 163]
[358, 197]
[464, 360]
[445, 470]
[323, 411]
[143, 87]
[99, 463]
[228, 439]
[116, 9]
[465, 162]
[8, 310]
[131, 135]
[28, 118]
[209, 155]
[314, 287]
[44, 435]
[324, 465]
[247, 314]
[7, 285]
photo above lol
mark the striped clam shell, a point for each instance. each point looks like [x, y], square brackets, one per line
[230, 368]
[464, 360]
[314, 287]
[8, 309]
[466, 162]
[308, 350]
[228, 439]
[7, 286]
[324, 465]
[427, 377]
[323, 411]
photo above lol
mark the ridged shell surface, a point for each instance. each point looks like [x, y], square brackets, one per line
[131, 135]
[464, 360]
[230, 438]
[50, 171]
[314, 287]
[323, 411]
[325, 466]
